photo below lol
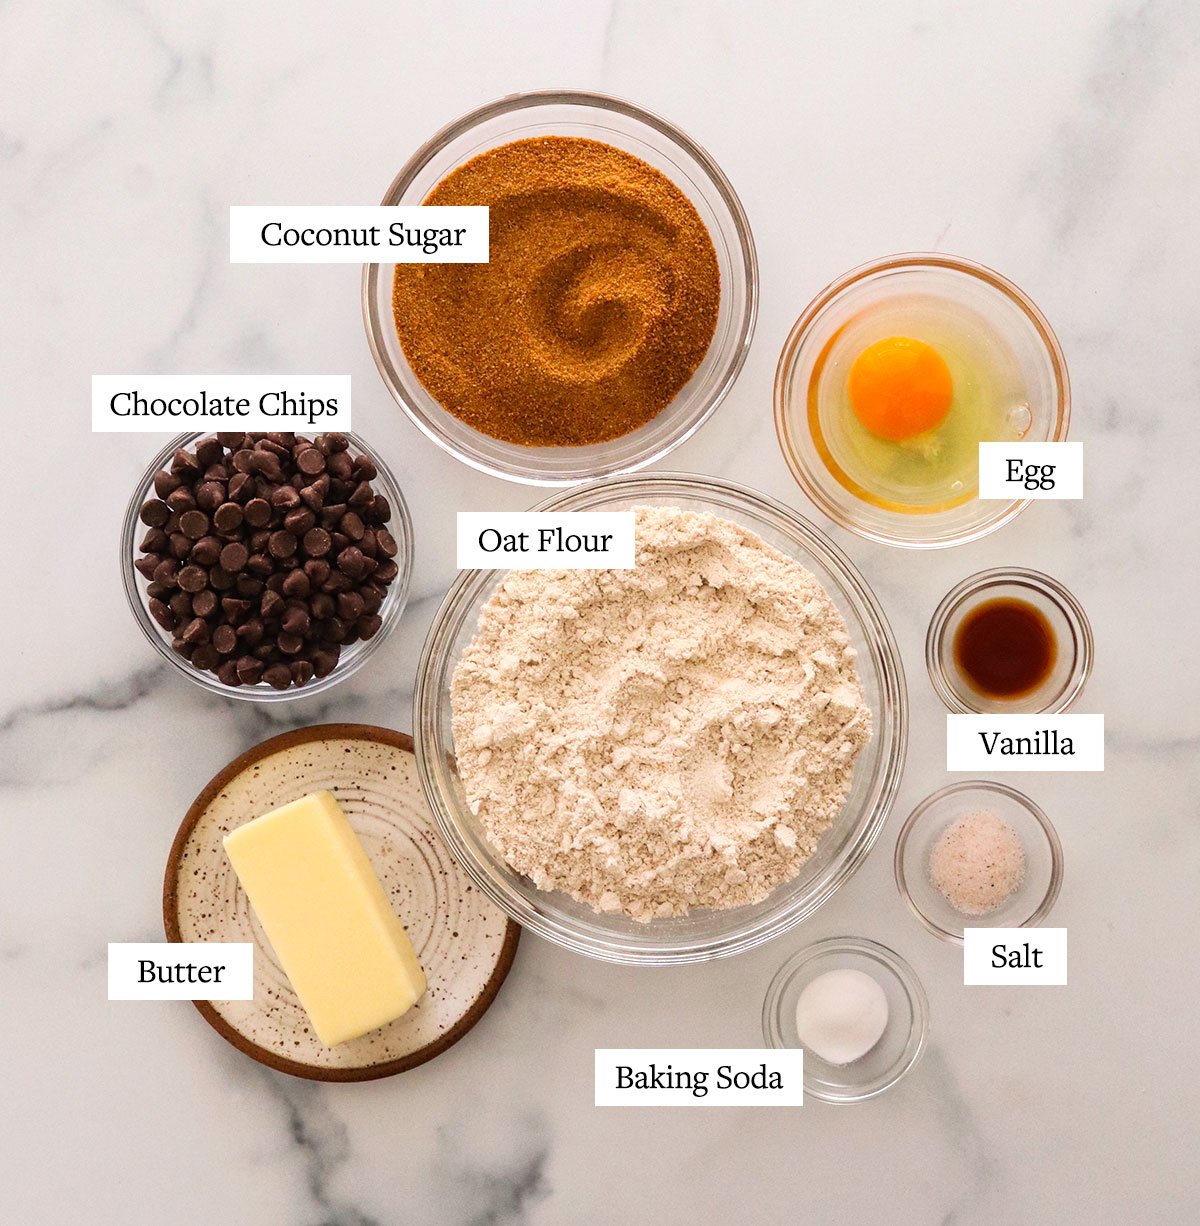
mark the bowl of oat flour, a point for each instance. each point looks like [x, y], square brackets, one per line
[674, 762]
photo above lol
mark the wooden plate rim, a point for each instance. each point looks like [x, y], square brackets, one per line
[371, 1072]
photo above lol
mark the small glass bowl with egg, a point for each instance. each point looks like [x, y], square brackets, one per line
[840, 991]
[1023, 901]
[893, 376]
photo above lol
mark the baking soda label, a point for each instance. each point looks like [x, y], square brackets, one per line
[1015, 956]
[699, 1077]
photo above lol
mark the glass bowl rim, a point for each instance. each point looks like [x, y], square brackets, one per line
[918, 1036]
[798, 335]
[1056, 592]
[1045, 905]
[134, 595]
[375, 325]
[893, 717]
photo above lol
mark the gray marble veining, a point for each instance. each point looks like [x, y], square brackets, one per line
[1056, 142]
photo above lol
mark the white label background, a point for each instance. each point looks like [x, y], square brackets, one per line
[965, 749]
[977, 956]
[237, 979]
[788, 1062]
[246, 222]
[249, 387]
[617, 524]
[1067, 459]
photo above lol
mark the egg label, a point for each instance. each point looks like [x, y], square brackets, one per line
[180, 970]
[1030, 470]
[1014, 956]
[699, 1077]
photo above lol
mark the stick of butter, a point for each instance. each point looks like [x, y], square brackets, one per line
[327, 917]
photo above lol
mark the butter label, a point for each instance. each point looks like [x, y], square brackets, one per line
[358, 234]
[699, 1077]
[542, 540]
[181, 970]
[1015, 956]
[1024, 743]
[1030, 470]
[144, 404]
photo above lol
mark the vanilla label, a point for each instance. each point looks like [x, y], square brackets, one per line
[1024, 743]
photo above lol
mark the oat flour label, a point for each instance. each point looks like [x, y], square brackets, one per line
[542, 540]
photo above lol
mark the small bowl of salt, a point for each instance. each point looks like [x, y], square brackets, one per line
[978, 854]
[858, 1011]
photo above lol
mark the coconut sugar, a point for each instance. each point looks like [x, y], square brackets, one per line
[977, 863]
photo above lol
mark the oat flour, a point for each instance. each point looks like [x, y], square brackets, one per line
[673, 736]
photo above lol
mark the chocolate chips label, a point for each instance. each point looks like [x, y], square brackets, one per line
[544, 540]
[1030, 470]
[699, 1077]
[1024, 743]
[180, 970]
[1015, 956]
[358, 233]
[144, 404]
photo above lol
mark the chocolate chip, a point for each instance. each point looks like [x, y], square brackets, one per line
[184, 464]
[166, 572]
[163, 615]
[221, 579]
[297, 585]
[278, 676]
[302, 672]
[228, 674]
[317, 542]
[234, 556]
[193, 578]
[224, 639]
[210, 495]
[154, 513]
[299, 522]
[205, 657]
[204, 603]
[258, 512]
[295, 620]
[283, 497]
[196, 631]
[206, 551]
[182, 605]
[324, 660]
[272, 604]
[146, 566]
[193, 524]
[350, 606]
[352, 525]
[165, 483]
[350, 561]
[282, 544]
[249, 670]
[368, 625]
[228, 518]
[310, 461]
[182, 499]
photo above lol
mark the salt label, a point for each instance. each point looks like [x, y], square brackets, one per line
[1014, 956]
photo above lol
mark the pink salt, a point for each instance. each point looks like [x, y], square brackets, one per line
[977, 863]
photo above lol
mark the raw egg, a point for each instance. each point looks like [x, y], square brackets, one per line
[900, 387]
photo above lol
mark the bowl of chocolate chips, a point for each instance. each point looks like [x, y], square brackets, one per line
[266, 566]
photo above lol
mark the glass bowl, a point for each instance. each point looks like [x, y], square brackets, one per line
[899, 1047]
[1034, 897]
[703, 934]
[352, 658]
[963, 285]
[1068, 622]
[662, 145]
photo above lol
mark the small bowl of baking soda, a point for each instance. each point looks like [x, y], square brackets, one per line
[857, 1010]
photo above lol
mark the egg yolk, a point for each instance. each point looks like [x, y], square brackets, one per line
[900, 387]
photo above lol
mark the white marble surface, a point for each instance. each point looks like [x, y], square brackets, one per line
[1056, 142]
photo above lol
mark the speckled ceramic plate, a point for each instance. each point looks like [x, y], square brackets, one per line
[465, 943]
